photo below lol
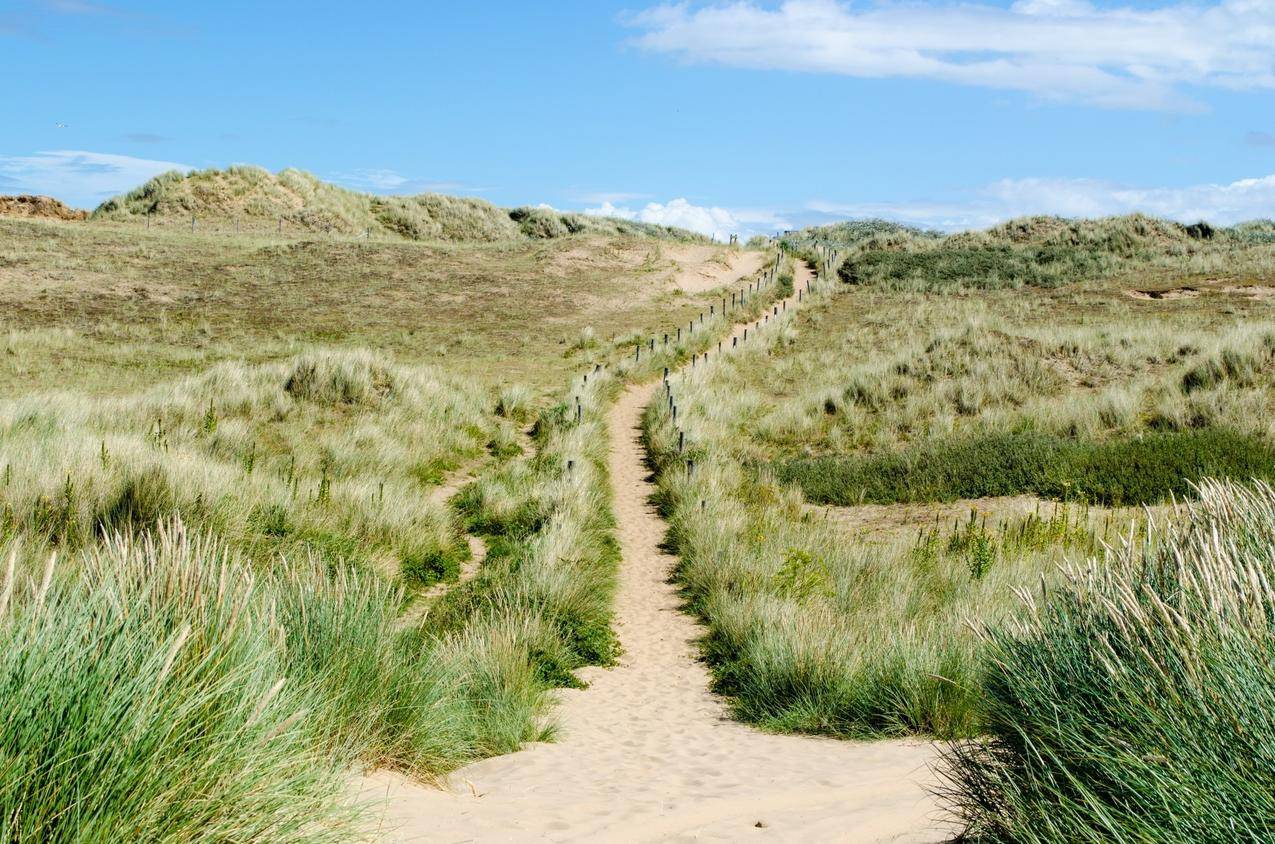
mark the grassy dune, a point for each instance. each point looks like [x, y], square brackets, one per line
[877, 393]
[1042, 252]
[332, 452]
[1093, 695]
[219, 529]
[219, 509]
[245, 199]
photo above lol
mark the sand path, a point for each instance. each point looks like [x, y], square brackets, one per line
[648, 753]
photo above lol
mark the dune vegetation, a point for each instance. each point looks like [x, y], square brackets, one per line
[861, 503]
[1131, 702]
[102, 307]
[1040, 252]
[244, 199]
[277, 507]
[237, 546]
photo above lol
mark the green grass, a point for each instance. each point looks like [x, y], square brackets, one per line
[1039, 252]
[314, 454]
[1134, 702]
[162, 689]
[1148, 469]
[986, 267]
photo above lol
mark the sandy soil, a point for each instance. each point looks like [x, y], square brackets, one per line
[1253, 291]
[697, 269]
[647, 753]
[44, 207]
[1171, 293]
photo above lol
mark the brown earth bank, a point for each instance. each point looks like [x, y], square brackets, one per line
[42, 207]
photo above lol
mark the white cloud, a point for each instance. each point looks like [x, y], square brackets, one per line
[80, 178]
[719, 223]
[1071, 50]
[1223, 204]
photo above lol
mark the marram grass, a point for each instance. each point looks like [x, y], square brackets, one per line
[1136, 700]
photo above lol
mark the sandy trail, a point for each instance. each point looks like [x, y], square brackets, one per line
[648, 753]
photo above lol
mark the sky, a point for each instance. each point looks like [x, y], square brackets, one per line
[729, 117]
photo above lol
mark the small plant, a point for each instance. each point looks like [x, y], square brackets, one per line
[803, 576]
[324, 494]
[210, 418]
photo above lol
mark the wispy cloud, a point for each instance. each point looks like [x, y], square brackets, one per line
[713, 221]
[614, 197]
[1223, 204]
[81, 178]
[48, 20]
[79, 7]
[1134, 56]
[145, 138]
[381, 180]
[1260, 139]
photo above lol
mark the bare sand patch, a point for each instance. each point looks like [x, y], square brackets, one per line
[1252, 291]
[39, 207]
[1168, 293]
[700, 268]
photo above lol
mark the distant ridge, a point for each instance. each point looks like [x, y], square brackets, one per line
[44, 207]
[301, 200]
[1114, 234]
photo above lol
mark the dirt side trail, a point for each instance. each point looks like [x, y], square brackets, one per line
[648, 753]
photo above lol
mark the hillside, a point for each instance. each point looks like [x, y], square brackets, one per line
[256, 199]
[1110, 233]
[1042, 252]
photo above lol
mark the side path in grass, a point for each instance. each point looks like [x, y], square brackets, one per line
[648, 753]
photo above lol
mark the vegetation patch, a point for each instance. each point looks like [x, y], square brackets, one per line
[1133, 701]
[1147, 469]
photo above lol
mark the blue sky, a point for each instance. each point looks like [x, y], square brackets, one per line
[729, 117]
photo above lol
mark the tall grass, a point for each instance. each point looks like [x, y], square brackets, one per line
[1134, 702]
[332, 452]
[161, 689]
[548, 520]
[807, 633]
